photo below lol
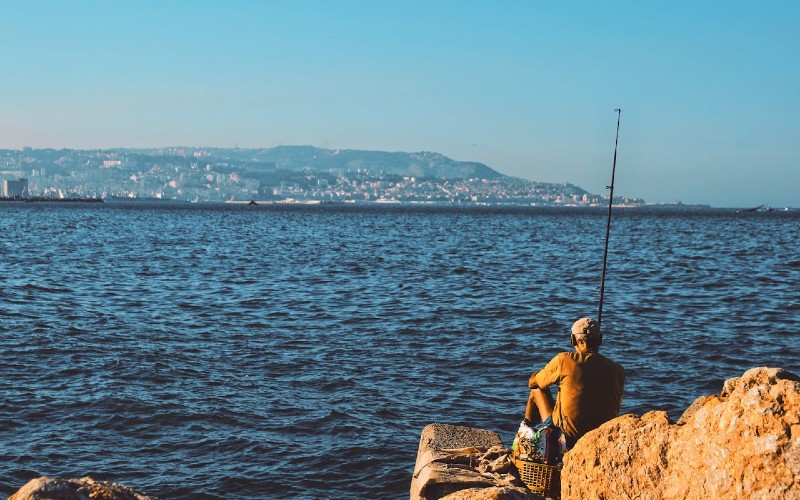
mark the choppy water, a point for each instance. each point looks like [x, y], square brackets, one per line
[196, 351]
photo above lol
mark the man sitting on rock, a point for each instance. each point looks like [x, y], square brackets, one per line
[589, 386]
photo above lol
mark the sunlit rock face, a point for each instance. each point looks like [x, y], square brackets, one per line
[84, 488]
[741, 443]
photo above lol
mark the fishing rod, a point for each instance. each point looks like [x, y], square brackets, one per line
[608, 225]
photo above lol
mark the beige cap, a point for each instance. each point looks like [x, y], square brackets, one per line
[586, 326]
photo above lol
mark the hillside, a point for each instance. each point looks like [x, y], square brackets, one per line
[284, 172]
[423, 164]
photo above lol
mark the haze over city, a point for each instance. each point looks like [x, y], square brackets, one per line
[708, 89]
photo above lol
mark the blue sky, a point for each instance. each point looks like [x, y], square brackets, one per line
[709, 90]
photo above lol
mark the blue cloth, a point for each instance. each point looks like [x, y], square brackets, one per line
[547, 442]
[548, 422]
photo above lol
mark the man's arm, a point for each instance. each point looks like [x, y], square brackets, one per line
[546, 376]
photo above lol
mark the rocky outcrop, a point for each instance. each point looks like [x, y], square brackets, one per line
[460, 463]
[84, 488]
[741, 443]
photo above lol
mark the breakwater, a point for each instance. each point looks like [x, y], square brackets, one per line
[649, 456]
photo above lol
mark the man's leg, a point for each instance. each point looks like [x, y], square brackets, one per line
[542, 401]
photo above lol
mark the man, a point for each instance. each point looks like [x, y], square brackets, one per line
[589, 386]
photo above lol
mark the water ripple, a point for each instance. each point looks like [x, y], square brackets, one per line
[195, 351]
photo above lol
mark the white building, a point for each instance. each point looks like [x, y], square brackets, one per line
[15, 189]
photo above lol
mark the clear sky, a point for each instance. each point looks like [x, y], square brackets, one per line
[710, 91]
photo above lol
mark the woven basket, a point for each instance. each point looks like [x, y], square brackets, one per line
[540, 478]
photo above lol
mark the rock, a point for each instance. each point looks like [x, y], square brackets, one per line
[741, 443]
[491, 493]
[85, 488]
[461, 463]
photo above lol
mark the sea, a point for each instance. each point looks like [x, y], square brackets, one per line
[297, 351]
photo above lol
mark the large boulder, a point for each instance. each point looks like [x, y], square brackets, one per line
[741, 443]
[84, 488]
[460, 463]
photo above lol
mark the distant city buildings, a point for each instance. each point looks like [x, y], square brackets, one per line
[216, 175]
[15, 188]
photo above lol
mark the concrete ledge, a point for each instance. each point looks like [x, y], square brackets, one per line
[469, 462]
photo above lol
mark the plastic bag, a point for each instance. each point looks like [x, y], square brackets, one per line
[542, 443]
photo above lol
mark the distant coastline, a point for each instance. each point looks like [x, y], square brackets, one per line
[34, 199]
[283, 173]
[289, 202]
